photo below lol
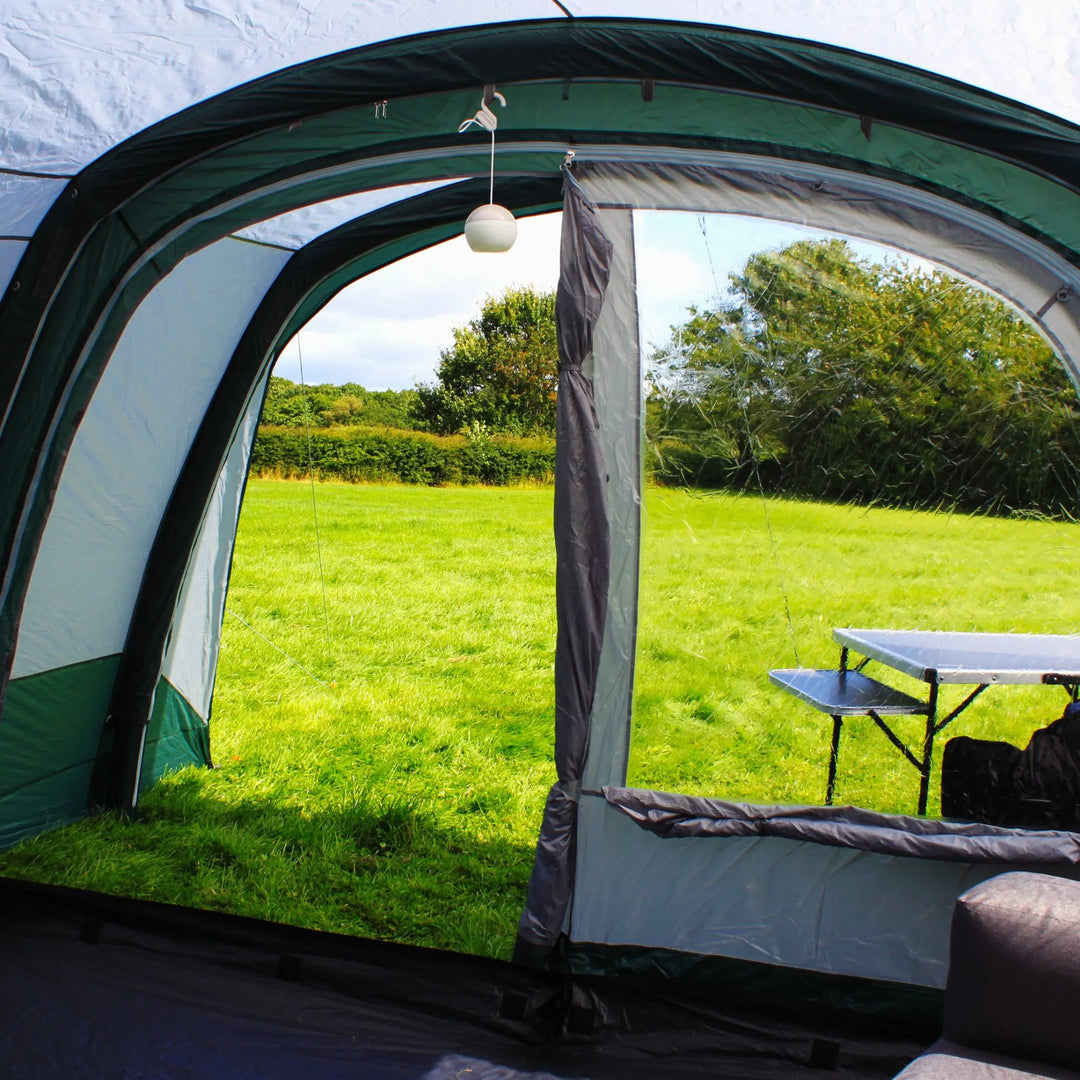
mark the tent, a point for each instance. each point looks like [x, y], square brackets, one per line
[234, 162]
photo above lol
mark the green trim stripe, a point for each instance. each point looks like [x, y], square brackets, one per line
[177, 736]
[53, 740]
[50, 741]
[745, 982]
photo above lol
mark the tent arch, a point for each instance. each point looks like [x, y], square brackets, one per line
[309, 281]
[617, 91]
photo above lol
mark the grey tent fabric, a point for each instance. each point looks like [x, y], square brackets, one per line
[672, 816]
[582, 546]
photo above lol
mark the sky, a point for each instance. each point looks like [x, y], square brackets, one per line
[387, 330]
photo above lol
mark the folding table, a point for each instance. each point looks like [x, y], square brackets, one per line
[935, 657]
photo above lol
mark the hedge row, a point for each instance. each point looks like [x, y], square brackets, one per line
[408, 457]
[1004, 476]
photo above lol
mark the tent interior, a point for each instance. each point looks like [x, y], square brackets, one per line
[163, 275]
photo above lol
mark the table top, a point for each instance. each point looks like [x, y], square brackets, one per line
[944, 656]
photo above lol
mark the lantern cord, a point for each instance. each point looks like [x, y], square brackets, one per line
[491, 183]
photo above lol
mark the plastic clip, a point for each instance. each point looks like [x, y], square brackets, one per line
[1062, 296]
[484, 117]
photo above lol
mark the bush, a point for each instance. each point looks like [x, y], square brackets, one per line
[386, 455]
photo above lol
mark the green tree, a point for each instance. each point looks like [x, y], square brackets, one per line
[501, 372]
[292, 405]
[837, 377]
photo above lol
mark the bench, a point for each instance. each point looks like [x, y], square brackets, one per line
[850, 693]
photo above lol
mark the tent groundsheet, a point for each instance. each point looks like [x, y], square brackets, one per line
[94, 986]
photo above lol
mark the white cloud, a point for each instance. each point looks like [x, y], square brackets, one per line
[386, 330]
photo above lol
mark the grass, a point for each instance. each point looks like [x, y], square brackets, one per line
[394, 787]
[715, 596]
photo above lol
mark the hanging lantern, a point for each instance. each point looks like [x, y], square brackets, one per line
[490, 227]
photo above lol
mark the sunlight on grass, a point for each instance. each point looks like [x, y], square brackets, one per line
[398, 792]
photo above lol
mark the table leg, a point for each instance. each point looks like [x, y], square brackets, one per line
[834, 753]
[928, 750]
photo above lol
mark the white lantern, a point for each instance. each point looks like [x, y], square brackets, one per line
[491, 228]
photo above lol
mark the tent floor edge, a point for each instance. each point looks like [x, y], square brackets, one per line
[316, 1003]
[529, 954]
[916, 1010]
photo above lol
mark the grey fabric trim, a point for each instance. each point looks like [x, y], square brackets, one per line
[582, 545]
[947, 1060]
[1014, 266]
[616, 362]
[670, 816]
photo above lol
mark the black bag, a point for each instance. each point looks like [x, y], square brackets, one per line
[977, 780]
[1035, 788]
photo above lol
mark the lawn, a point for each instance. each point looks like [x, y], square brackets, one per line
[387, 777]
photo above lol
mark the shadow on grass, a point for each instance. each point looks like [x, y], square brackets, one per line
[371, 864]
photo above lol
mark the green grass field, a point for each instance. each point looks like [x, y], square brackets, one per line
[394, 788]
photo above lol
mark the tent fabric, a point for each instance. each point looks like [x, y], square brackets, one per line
[93, 587]
[98, 986]
[111, 207]
[1026, 273]
[764, 905]
[300, 227]
[305, 283]
[66, 99]
[670, 816]
[734, 899]
[121, 467]
[583, 553]
[616, 369]
[153, 209]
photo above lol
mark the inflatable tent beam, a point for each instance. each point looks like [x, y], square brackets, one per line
[310, 279]
[246, 154]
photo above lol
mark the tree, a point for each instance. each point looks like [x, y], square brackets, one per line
[837, 377]
[290, 404]
[501, 371]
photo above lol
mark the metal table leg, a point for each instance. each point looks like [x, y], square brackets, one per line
[928, 750]
[834, 754]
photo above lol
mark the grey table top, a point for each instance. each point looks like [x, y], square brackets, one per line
[950, 657]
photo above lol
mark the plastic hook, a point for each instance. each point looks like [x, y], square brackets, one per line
[484, 117]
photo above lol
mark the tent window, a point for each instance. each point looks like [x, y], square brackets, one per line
[837, 435]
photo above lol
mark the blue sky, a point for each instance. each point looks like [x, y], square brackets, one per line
[387, 330]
